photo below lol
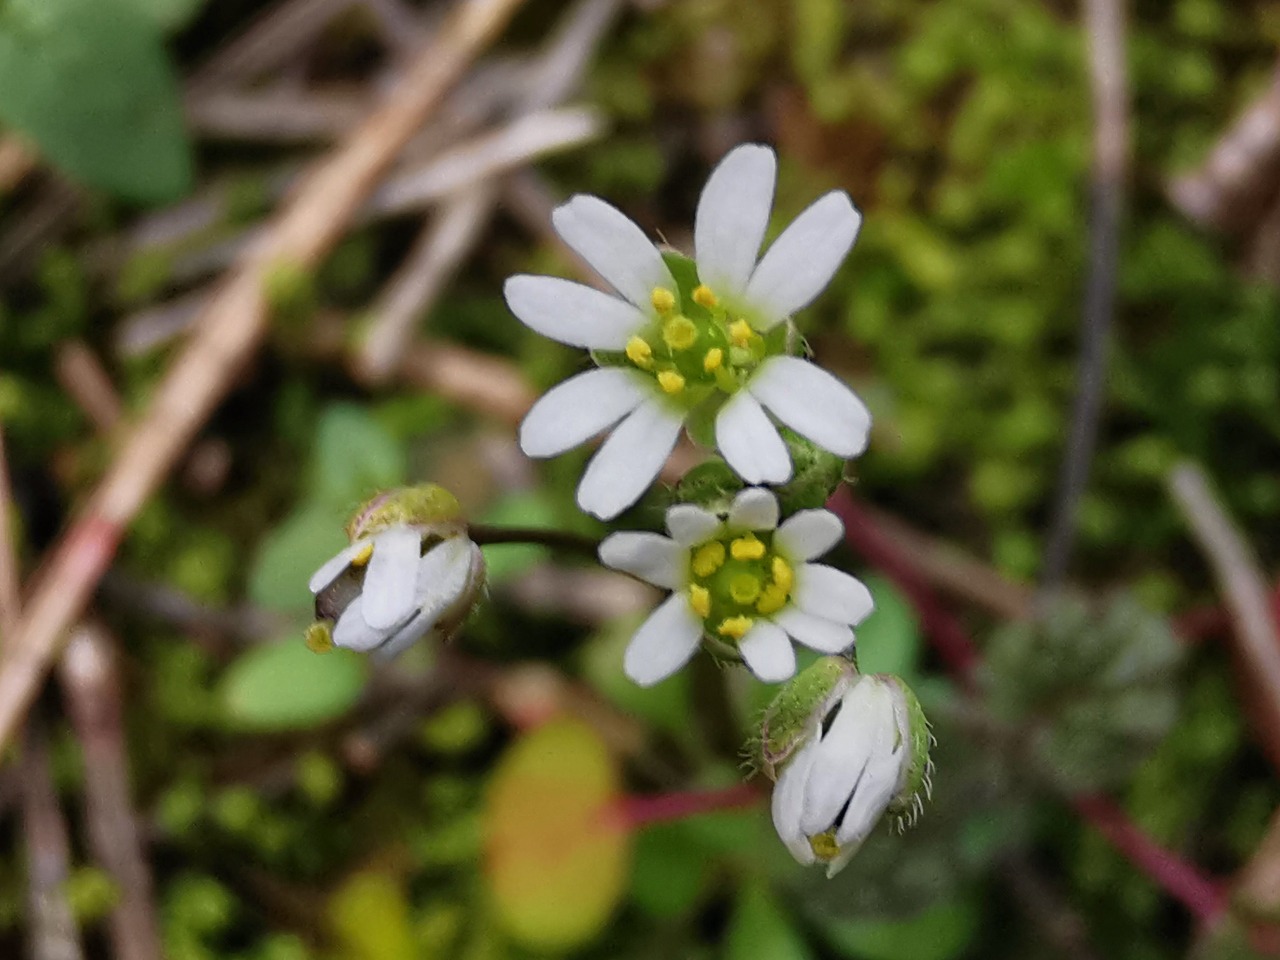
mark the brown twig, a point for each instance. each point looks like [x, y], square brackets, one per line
[1232, 188]
[16, 161]
[230, 330]
[79, 372]
[1257, 644]
[93, 695]
[275, 115]
[1105, 25]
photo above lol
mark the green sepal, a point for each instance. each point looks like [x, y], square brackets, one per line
[797, 708]
[711, 485]
[816, 475]
[424, 505]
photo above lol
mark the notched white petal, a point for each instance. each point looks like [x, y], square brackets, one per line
[664, 643]
[352, 632]
[814, 404]
[787, 806]
[572, 313]
[749, 443]
[816, 633]
[768, 653]
[649, 556]
[575, 411]
[808, 534]
[753, 509]
[615, 247]
[629, 461]
[733, 213]
[690, 524]
[802, 261]
[833, 594]
[391, 579]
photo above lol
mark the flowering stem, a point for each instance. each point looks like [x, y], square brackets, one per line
[1181, 880]
[486, 535]
[670, 807]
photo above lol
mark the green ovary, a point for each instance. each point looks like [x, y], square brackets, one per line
[692, 357]
[735, 581]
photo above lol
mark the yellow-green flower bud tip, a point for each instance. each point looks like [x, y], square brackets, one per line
[427, 505]
[319, 637]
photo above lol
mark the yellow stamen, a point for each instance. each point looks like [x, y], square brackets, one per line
[318, 638]
[663, 299]
[670, 381]
[713, 359]
[708, 558]
[740, 333]
[773, 599]
[700, 600]
[735, 627]
[746, 548]
[783, 575]
[679, 333]
[744, 588]
[704, 297]
[363, 557]
[824, 846]
[640, 353]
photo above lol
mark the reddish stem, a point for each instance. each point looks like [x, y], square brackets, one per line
[639, 812]
[944, 630]
[1181, 880]
[1205, 898]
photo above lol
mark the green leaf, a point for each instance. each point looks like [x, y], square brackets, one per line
[290, 553]
[889, 641]
[939, 933]
[284, 686]
[664, 705]
[669, 871]
[168, 14]
[557, 854]
[759, 928]
[369, 914]
[354, 457]
[91, 84]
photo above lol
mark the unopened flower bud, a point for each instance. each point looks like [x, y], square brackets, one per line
[860, 752]
[410, 570]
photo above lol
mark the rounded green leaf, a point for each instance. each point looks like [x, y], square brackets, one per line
[284, 686]
[557, 853]
[290, 553]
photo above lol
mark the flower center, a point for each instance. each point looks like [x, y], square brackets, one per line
[734, 581]
[694, 353]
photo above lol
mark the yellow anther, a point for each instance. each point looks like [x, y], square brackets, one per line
[319, 638]
[670, 381]
[679, 333]
[782, 574]
[713, 359]
[700, 600]
[664, 300]
[363, 557]
[640, 353]
[708, 558]
[735, 627]
[746, 548]
[744, 588]
[773, 599]
[824, 846]
[704, 297]
[740, 333]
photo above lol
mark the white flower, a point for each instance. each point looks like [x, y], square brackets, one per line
[666, 349]
[865, 753]
[741, 581]
[410, 570]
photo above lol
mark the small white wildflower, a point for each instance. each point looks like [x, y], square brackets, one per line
[741, 581]
[670, 347]
[864, 752]
[410, 570]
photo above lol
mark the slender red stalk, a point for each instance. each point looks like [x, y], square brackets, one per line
[639, 812]
[943, 629]
[1204, 897]
[1183, 881]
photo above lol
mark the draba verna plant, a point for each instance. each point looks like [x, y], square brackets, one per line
[705, 345]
